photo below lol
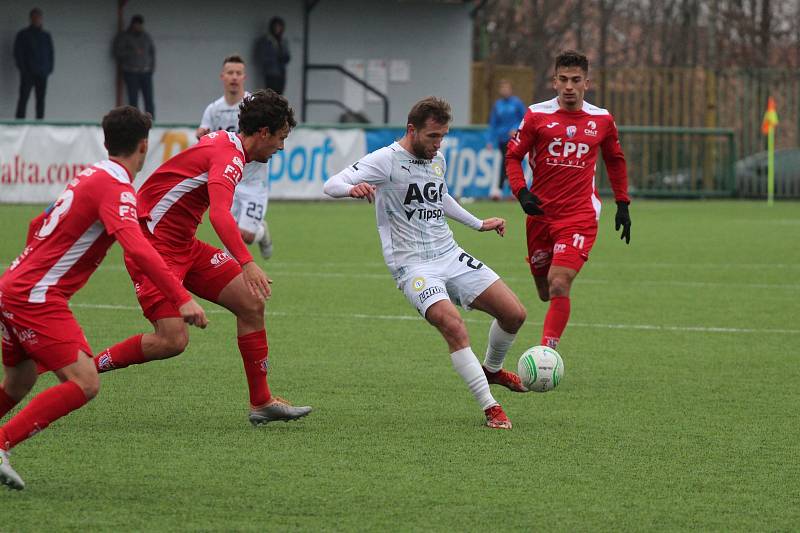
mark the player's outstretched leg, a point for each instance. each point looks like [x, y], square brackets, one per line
[170, 338]
[253, 346]
[501, 303]
[445, 317]
[79, 384]
[555, 321]
[17, 383]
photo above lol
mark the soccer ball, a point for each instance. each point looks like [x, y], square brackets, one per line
[540, 368]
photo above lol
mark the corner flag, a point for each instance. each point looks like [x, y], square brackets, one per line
[770, 117]
[768, 129]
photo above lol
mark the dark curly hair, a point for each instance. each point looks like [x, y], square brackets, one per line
[265, 109]
[431, 107]
[123, 128]
[572, 58]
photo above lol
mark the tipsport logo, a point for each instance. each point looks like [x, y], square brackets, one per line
[431, 192]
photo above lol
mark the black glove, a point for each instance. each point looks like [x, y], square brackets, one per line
[529, 202]
[623, 220]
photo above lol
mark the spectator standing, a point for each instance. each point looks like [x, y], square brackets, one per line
[272, 54]
[33, 54]
[507, 113]
[136, 56]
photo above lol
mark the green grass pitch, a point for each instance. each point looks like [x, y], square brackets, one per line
[678, 409]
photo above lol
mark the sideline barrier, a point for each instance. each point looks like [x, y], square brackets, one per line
[38, 159]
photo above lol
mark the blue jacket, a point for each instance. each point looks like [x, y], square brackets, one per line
[33, 52]
[506, 115]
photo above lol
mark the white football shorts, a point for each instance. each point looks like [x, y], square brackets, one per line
[249, 207]
[457, 276]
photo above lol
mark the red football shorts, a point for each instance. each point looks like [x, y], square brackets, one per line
[203, 269]
[47, 333]
[564, 242]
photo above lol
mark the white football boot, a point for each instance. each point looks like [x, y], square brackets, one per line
[277, 409]
[8, 476]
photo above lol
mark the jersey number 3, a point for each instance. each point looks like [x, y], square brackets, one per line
[60, 208]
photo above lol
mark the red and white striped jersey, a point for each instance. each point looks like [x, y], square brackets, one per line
[173, 199]
[74, 237]
[562, 147]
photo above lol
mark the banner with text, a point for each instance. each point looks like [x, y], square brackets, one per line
[37, 161]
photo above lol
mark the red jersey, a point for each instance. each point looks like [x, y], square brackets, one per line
[562, 147]
[97, 207]
[173, 199]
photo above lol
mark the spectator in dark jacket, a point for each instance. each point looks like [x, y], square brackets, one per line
[272, 54]
[136, 57]
[33, 53]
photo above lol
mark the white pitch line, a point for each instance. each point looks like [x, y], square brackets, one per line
[523, 279]
[359, 316]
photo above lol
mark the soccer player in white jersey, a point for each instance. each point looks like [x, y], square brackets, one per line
[252, 193]
[406, 180]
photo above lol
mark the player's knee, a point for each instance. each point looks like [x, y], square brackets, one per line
[453, 328]
[544, 293]
[18, 388]
[89, 384]
[559, 286]
[514, 318]
[173, 344]
[247, 237]
[252, 311]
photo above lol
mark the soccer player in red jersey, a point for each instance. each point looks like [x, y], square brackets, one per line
[172, 202]
[561, 138]
[97, 207]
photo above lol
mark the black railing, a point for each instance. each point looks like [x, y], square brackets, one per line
[353, 77]
[309, 6]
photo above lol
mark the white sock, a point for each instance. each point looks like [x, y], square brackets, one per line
[499, 343]
[468, 367]
[259, 233]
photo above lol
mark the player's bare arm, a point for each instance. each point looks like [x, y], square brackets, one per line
[496, 224]
[201, 131]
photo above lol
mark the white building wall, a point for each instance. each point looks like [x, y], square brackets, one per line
[192, 37]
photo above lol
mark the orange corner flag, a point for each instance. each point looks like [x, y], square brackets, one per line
[770, 117]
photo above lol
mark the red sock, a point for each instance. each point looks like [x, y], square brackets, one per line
[255, 355]
[7, 403]
[555, 321]
[45, 408]
[124, 354]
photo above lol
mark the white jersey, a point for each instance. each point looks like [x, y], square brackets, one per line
[221, 116]
[411, 202]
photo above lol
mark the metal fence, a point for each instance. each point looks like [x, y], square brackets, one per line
[677, 162]
[694, 97]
